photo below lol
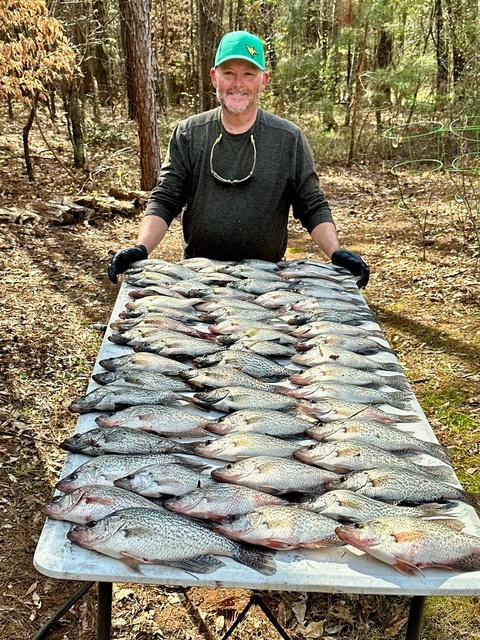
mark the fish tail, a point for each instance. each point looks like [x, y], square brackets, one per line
[473, 499]
[390, 366]
[259, 559]
[437, 451]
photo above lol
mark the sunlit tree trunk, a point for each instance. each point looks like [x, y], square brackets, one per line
[210, 14]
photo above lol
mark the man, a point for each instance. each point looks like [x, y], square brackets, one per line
[235, 172]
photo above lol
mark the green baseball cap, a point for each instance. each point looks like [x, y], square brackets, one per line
[241, 45]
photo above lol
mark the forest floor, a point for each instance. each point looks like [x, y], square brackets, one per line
[424, 290]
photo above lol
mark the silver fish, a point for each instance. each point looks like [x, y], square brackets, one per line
[182, 346]
[337, 410]
[112, 397]
[352, 318]
[243, 323]
[144, 361]
[344, 457]
[120, 440]
[247, 361]
[237, 446]
[153, 536]
[146, 379]
[246, 271]
[159, 321]
[105, 469]
[93, 502]
[234, 398]
[151, 290]
[347, 375]
[275, 475]
[321, 354]
[358, 344]
[351, 393]
[383, 436]
[322, 328]
[264, 334]
[400, 486]
[265, 348]
[223, 376]
[157, 480]
[347, 506]
[281, 527]
[158, 303]
[221, 500]
[269, 422]
[259, 287]
[410, 544]
[165, 421]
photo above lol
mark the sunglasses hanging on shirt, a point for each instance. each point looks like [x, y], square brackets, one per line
[236, 181]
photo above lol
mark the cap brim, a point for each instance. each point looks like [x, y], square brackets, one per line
[237, 57]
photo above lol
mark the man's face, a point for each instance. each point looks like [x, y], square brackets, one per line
[238, 84]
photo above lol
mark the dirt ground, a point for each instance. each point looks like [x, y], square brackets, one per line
[424, 290]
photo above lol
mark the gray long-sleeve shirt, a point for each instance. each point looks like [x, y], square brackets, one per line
[248, 219]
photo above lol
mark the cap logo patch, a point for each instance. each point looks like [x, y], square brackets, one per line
[251, 51]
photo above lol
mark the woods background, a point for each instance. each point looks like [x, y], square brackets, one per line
[355, 74]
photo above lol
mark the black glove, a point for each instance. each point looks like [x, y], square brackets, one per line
[354, 263]
[124, 258]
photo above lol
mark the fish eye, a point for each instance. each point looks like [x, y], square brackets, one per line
[130, 477]
[72, 476]
[91, 524]
[311, 446]
[358, 525]
[56, 499]
[229, 466]
[208, 442]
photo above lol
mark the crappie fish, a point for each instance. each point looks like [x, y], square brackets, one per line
[251, 363]
[264, 334]
[112, 397]
[165, 421]
[347, 375]
[350, 318]
[258, 263]
[383, 436]
[246, 271]
[275, 475]
[154, 536]
[146, 379]
[400, 486]
[159, 321]
[321, 354]
[143, 312]
[237, 446]
[120, 440]
[277, 299]
[144, 361]
[93, 502]
[351, 393]
[347, 506]
[151, 303]
[221, 500]
[157, 480]
[265, 348]
[281, 527]
[320, 328]
[151, 290]
[410, 544]
[182, 346]
[337, 410]
[238, 324]
[258, 287]
[344, 457]
[146, 278]
[263, 421]
[105, 469]
[358, 344]
[235, 398]
[312, 304]
[223, 376]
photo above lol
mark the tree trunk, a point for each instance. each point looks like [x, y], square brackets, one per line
[210, 14]
[383, 59]
[441, 51]
[25, 134]
[126, 38]
[141, 48]
[358, 92]
[101, 67]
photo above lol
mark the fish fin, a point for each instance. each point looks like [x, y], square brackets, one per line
[96, 500]
[201, 564]
[259, 559]
[453, 523]
[280, 545]
[408, 536]
[268, 489]
[132, 562]
[407, 568]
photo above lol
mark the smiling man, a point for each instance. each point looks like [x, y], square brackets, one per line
[236, 172]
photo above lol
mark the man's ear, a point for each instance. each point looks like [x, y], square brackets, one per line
[213, 77]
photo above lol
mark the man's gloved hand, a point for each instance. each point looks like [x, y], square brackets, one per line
[354, 263]
[124, 258]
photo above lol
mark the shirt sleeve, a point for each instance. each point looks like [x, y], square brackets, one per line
[309, 203]
[169, 196]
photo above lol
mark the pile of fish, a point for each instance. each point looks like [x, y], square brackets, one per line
[256, 407]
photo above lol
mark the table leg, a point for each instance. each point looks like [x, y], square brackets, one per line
[415, 618]
[104, 610]
[43, 632]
